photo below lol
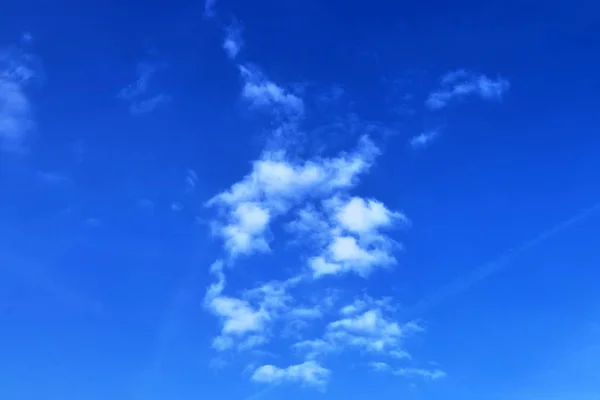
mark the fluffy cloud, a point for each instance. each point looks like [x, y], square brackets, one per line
[309, 373]
[276, 184]
[364, 327]
[16, 119]
[246, 321]
[459, 84]
[355, 242]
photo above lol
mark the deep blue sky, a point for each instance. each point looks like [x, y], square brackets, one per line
[445, 157]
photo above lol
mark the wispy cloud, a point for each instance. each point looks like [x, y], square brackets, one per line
[263, 93]
[457, 85]
[232, 44]
[53, 177]
[423, 139]
[209, 8]
[17, 72]
[434, 374]
[137, 93]
[368, 331]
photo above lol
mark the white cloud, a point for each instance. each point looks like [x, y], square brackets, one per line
[306, 312]
[232, 44]
[246, 321]
[314, 348]
[16, 117]
[264, 93]
[355, 243]
[434, 375]
[276, 184]
[244, 234]
[309, 373]
[423, 139]
[364, 328]
[363, 217]
[460, 84]
[379, 366]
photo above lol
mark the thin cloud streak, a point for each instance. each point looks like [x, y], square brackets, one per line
[485, 270]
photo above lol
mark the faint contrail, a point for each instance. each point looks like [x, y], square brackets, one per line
[486, 269]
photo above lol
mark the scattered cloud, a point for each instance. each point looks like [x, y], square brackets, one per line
[456, 85]
[137, 93]
[274, 186]
[355, 242]
[364, 327]
[232, 44]
[423, 139]
[93, 222]
[209, 8]
[308, 373]
[379, 366]
[191, 179]
[246, 320]
[17, 72]
[433, 375]
[149, 105]
[263, 93]
[53, 177]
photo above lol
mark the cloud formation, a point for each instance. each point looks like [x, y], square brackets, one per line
[17, 72]
[423, 140]
[274, 186]
[137, 92]
[308, 373]
[232, 44]
[459, 84]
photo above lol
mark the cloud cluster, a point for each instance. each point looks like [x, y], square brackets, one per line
[457, 85]
[363, 326]
[308, 373]
[275, 185]
[17, 72]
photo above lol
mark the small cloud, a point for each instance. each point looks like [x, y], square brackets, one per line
[460, 84]
[423, 140]
[233, 42]
[379, 366]
[309, 373]
[433, 375]
[209, 8]
[265, 94]
[175, 206]
[149, 105]
[17, 72]
[93, 222]
[146, 205]
[53, 177]
[191, 179]
[136, 93]
[27, 38]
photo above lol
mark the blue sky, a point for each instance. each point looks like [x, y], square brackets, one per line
[299, 199]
